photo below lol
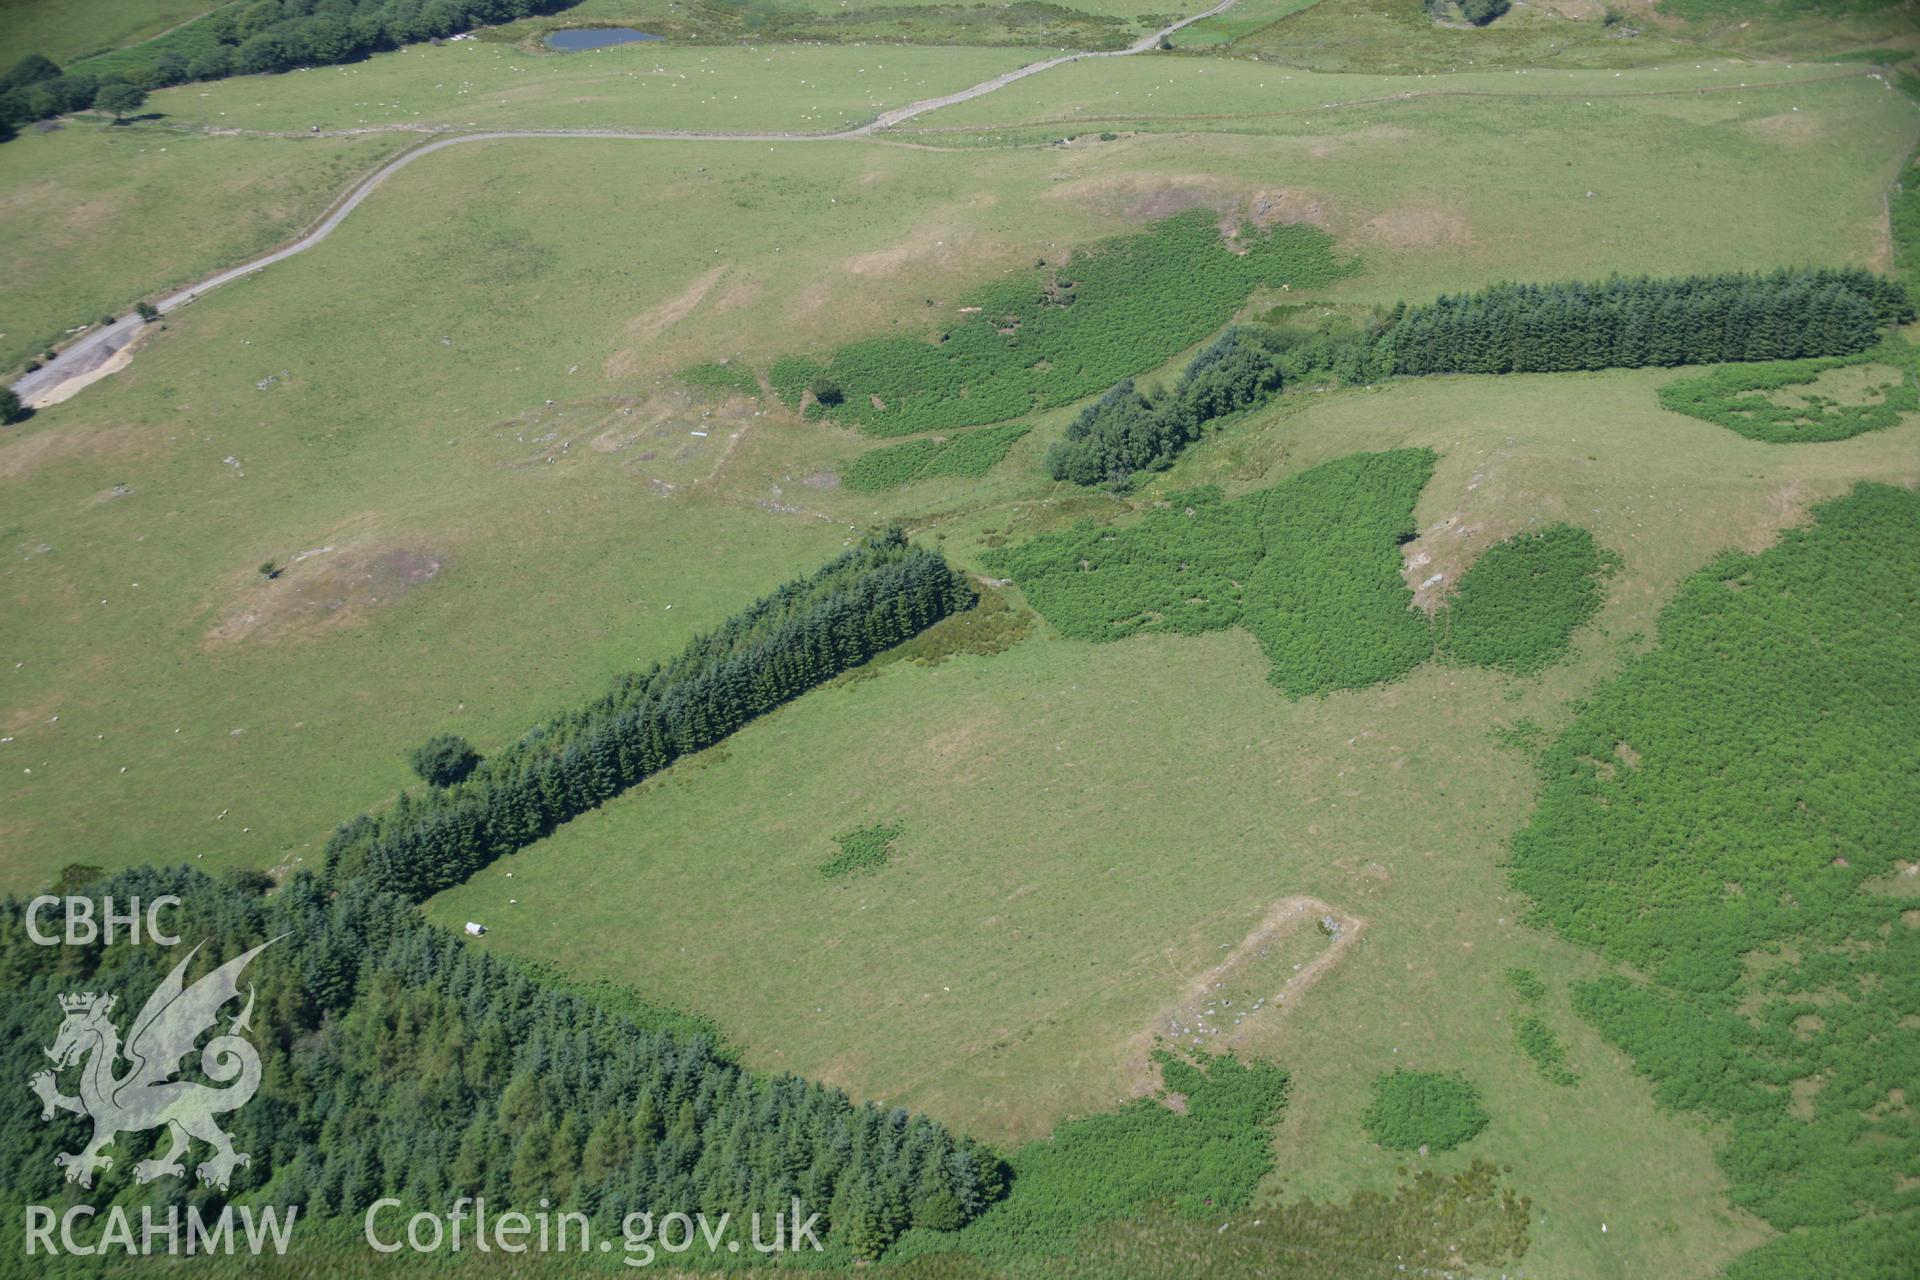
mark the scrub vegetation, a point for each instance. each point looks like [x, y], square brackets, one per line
[863, 849]
[1521, 600]
[1205, 1158]
[1050, 335]
[1310, 567]
[1424, 1110]
[1538, 1041]
[970, 454]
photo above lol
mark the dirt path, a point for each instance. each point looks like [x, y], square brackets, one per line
[90, 357]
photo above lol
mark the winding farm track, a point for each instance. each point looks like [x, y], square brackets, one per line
[58, 377]
[83, 361]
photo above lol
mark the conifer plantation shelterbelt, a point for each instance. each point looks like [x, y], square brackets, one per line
[1509, 328]
[1125, 431]
[1550, 328]
[400, 1062]
[811, 629]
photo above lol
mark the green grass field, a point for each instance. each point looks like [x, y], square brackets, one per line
[1434, 194]
[1099, 867]
[484, 84]
[462, 426]
[106, 215]
[1041, 23]
[614, 292]
[65, 30]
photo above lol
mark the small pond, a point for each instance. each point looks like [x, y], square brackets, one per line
[576, 38]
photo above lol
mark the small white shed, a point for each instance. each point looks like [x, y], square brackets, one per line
[475, 929]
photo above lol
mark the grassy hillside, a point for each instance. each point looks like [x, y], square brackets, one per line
[1081, 833]
[335, 381]
[109, 215]
[1721, 817]
[1449, 182]
[65, 30]
[464, 432]
[486, 84]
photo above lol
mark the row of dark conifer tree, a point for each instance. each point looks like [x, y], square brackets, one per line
[403, 1064]
[809, 630]
[1620, 323]
[1126, 430]
[1509, 328]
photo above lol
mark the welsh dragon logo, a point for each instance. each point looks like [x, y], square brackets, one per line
[147, 1096]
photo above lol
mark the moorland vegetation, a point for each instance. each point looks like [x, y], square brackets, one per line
[1312, 568]
[1424, 1110]
[1742, 398]
[1543, 1048]
[968, 454]
[1207, 1157]
[1729, 817]
[1518, 605]
[862, 850]
[1058, 331]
